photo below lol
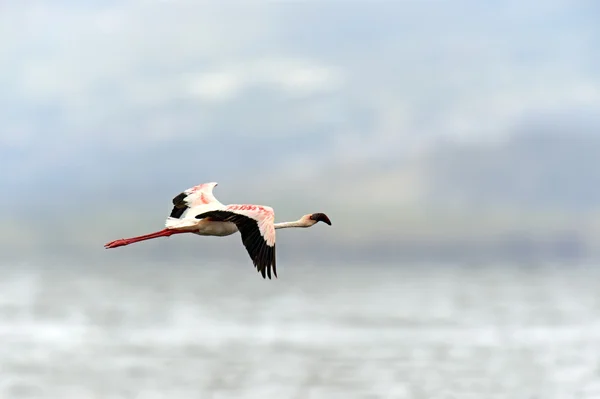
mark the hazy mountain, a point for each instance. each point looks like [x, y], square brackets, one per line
[537, 169]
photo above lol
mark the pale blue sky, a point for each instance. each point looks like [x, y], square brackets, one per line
[206, 91]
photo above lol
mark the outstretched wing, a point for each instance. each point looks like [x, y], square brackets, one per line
[256, 225]
[191, 202]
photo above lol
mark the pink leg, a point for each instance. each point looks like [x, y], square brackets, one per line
[126, 241]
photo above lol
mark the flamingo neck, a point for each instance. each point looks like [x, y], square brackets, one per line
[297, 223]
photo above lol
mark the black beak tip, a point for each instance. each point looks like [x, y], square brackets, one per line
[321, 217]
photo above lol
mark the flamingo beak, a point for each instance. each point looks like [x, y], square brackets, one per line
[320, 217]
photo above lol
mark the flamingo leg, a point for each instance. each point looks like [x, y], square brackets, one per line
[126, 241]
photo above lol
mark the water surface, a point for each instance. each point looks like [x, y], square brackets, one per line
[335, 331]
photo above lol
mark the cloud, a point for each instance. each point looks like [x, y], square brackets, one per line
[292, 77]
[310, 84]
[115, 68]
[215, 86]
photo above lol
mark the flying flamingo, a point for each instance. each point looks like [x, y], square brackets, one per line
[197, 211]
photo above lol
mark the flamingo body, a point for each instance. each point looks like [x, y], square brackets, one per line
[197, 211]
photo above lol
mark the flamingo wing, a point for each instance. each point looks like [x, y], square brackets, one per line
[191, 202]
[256, 225]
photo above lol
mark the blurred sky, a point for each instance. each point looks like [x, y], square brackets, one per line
[105, 99]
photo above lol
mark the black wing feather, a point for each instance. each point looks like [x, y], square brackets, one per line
[179, 206]
[262, 255]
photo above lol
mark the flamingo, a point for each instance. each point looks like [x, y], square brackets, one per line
[197, 211]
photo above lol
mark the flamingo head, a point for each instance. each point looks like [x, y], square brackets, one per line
[319, 217]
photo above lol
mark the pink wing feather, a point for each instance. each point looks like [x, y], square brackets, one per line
[264, 216]
[201, 194]
[191, 202]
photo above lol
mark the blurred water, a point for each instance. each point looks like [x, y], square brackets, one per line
[361, 331]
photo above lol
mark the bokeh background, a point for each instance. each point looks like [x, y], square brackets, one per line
[454, 145]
